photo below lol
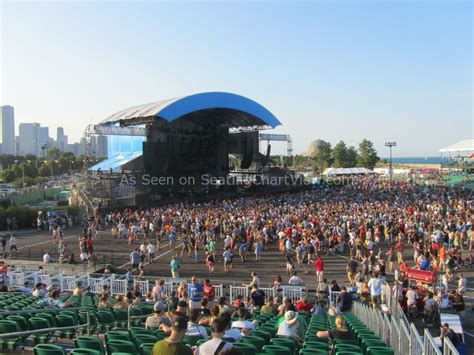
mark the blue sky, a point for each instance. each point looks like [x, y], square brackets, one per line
[382, 70]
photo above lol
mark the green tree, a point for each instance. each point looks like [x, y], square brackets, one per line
[322, 158]
[53, 153]
[339, 155]
[351, 157]
[367, 154]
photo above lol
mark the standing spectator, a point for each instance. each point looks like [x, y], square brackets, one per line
[375, 285]
[319, 266]
[174, 266]
[344, 300]
[151, 249]
[196, 294]
[135, 258]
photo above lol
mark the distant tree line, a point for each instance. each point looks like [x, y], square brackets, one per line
[339, 156]
[34, 170]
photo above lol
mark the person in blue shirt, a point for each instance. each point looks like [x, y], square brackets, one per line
[196, 294]
[425, 263]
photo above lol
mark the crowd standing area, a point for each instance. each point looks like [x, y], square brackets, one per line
[378, 229]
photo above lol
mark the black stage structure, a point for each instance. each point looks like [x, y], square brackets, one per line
[201, 145]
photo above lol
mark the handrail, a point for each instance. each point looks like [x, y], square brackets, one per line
[449, 348]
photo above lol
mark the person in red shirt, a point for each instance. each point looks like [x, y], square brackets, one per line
[399, 247]
[319, 266]
[209, 291]
[303, 305]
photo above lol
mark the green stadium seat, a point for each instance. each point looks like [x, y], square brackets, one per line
[246, 348]
[134, 331]
[122, 346]
[257, 341]
[37, 324]
[49, 349]
[286, 342]
[84, 342]
[121, 317]
[145, 349]
[85, 352]
[106, 321]
[9, 326]
[313, 352]
[66, 321]
[379, 350]
[117, 335]
[191, 340]
[276, 350]
[140, 339]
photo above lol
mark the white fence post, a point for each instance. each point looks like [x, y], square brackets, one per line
[236, 291]
[449, 348]
[415, 341]
[294, 293]
[430, 347]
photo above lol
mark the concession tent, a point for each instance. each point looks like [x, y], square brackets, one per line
[466, 145]
[347, 171]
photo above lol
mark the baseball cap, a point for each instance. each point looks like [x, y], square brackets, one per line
[182, 304]
[159, 306]
[291, 317]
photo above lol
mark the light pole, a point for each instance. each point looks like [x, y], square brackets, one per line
[390, 145]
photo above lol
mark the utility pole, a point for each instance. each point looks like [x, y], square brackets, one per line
[390, 145]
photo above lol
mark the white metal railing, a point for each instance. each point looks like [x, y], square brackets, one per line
[416, 344]
[44, 279]
[95, 284]
[333, 295]
[142, 285]
[430, 347]
[16, 279]
[269, 291]
[118, 286]
[218, 291]
[294, 293]
[238, 291]
[395, 336]
[449, 348]
[405, 339]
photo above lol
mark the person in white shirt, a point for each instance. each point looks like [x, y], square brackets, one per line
[46, 258]
[255, 280]
[296, 280]
[216, 344]
[289, 328]
[194, 329]
[151, 252]
[13, 243]
[244, 325]
[462, 284]
[375, 286]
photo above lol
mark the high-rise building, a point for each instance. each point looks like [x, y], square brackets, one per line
[28, 139]
[61, 139]
[7, 129]
[43, 138]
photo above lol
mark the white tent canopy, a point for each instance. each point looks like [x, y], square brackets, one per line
[347, 171]
[466, 145]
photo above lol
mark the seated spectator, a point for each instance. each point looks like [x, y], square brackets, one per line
[40, 290]
[194, 329]
[223, 307]
[173, 344]
[270, 307]
[286, 306]
[303, 305]
[121, 303]
[54, 301]
[104, 301]
[319, 309]
[244, 325]
[232, 333]
[289, 328]
[214, 314]
[158, 317]
[341, 332]
[334, 286]
[216, 345]
[77, 290]
[204, 310]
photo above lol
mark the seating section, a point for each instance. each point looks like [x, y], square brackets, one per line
[118, 337]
